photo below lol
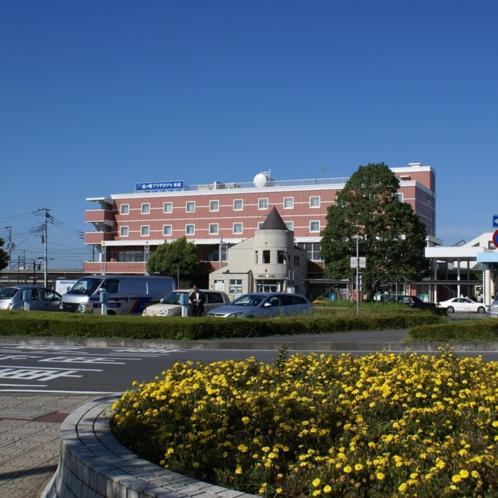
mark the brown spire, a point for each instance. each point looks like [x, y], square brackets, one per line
[274, 221]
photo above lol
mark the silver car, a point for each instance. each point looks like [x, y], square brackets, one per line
[264, 304]
[39, 298]
[493, 309]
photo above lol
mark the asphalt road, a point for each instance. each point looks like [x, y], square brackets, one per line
[94, 371]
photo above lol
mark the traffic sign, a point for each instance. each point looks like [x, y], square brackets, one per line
[495, 221]
[495, 238]
[362, 262]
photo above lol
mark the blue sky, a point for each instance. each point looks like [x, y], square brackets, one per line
[97, 95]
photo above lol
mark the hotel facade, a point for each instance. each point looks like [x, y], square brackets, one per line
[128, 227]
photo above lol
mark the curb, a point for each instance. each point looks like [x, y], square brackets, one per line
[287, 342]
[93, 464]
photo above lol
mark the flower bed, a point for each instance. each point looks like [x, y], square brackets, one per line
[378, 425]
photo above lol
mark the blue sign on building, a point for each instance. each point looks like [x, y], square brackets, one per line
[158, 186]
[495, 221]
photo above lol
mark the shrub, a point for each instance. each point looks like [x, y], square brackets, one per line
[77, 325]
[377, 425]
[465, 331]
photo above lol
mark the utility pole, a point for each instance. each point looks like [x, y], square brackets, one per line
[9, 228]
[357, 274]
[46, 216]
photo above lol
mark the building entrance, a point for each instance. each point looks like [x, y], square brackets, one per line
[267, 286]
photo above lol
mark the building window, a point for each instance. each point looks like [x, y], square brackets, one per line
[260, 224]
[238, 204]
[167, 230]
[314, 201]
[280, 257]
[266, 257]
[190, 229]
[124, 231]
[400, 196]
[256, 257]
[314, 226]
[289, 225]
[296, 260]
[263, 203]
[145, 208]
[288, 202]
[167, 207]
[214, 206]
[144, 230]
[213, 228]
[312, 250]
[190, 206]
[235, 286]
[237, 228]
[124, 209]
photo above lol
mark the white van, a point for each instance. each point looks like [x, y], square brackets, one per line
[127, 293]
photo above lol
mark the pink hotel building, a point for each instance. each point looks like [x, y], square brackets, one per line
[128, 227]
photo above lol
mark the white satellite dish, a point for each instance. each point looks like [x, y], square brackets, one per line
[261, 180]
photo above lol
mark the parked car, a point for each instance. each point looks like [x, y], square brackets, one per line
[40, 298]
[493, 309]
[171, 304]
[126, 293]
[264, 304]
[462, 304]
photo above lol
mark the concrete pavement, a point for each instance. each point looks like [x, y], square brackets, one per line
[29, 441]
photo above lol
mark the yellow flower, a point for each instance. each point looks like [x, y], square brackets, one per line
[358, 467]
[475, 474]
[380, 476]
[402, 487]
[464, 474]
[456, 479]
[327, 489]
[245, 420]
[238, 470]
[316, 483]
[347, 469]
[242, 448]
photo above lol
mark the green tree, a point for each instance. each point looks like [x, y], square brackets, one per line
[391, 236]
[169, 257]
[4, 257]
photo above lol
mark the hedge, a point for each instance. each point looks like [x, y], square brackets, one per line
[76, 325]
[465, 331]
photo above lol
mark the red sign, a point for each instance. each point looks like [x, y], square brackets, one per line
[495, 238]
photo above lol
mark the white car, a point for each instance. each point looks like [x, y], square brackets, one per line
[171, 305]
[462, 304]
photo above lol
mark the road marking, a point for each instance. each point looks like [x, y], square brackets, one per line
[35, 374]
[52, 368]
[23, 385]
[99, 360]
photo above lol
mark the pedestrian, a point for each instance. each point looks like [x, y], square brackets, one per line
[196, 301]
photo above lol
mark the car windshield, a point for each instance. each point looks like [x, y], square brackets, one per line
[173, 297]
[248, 300]
[8, 292]
[85, 286]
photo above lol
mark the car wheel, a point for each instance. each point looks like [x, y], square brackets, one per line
[450, 309]
[481, 310]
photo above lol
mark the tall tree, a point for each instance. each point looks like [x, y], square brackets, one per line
[390, 235]
[178, 255]
[4, 257]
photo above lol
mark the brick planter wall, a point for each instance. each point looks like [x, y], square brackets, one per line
[93, 464]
